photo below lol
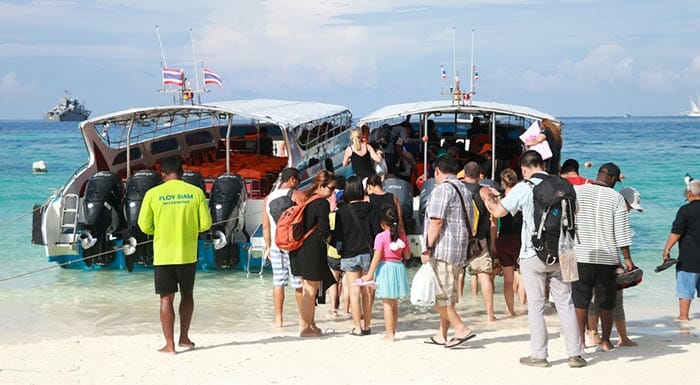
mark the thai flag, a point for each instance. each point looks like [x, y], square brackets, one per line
[443, 74]
[476, 74]
[211, 77]
[175, 77]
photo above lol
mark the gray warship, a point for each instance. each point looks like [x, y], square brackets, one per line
[67, 110]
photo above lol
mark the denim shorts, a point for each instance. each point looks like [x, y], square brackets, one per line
[357, 263]
[687, 284]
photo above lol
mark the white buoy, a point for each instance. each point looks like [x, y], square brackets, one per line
[39, 166]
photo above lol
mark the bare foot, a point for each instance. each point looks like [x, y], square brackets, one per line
[491, 319]
[167, 350]
[592, 338]
[683, 319]
[309, 332]
[626, 342]
[389, 338]
[606, 346]
[510, 313]
[277, 324]
[186, 343]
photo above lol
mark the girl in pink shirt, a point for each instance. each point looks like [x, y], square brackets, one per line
[390, 249]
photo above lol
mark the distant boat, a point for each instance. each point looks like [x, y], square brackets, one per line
[694, 110]
[67, 110]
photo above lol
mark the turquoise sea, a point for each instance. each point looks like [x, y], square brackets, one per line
[654, 154]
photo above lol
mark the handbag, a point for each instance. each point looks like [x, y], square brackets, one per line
[380, 168]
[479, 259]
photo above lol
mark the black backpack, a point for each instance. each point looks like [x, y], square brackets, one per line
[555, 212]
[380, 137]
[280, 204]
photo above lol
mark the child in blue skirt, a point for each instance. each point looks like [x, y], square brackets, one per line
[390, 248]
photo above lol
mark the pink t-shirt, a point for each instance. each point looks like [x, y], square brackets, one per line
[383, 241]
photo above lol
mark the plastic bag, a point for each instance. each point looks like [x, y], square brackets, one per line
[567, 258]
[424, 286]
[380, 167]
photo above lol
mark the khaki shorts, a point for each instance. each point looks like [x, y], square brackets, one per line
[447, 276]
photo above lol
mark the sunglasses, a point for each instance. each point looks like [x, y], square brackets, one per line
[330, 187]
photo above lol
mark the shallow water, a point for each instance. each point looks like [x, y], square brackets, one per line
[653, 153]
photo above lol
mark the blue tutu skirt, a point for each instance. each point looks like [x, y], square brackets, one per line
[392, 280]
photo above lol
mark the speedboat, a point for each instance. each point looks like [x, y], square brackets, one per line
[474, 130]
[233, 150]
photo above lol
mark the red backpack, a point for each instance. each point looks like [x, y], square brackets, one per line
[289, 234]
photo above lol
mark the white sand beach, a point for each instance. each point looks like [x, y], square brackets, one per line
[265, 356]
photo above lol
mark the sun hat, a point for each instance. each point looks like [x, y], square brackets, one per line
[632, 197]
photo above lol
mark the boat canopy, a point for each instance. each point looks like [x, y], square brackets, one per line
[475, 107]
[283, 113]
[152, 122]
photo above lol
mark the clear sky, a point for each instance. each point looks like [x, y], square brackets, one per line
[566, 58]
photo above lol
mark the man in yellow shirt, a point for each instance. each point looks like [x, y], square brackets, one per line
[175, 212]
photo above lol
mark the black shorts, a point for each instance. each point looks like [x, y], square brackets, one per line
[600, 278]
[167, 278]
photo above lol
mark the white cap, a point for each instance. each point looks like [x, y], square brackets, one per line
[632, 197]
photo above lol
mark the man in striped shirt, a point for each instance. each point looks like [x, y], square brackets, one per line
[603, 227]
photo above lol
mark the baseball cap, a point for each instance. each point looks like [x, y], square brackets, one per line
[486, 148]
[632, 197]
[610, 169]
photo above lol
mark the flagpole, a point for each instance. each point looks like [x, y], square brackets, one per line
[162, 52]
[471, 63]
[194, 59]
[454, 57]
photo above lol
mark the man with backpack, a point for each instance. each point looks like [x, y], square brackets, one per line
[483, 235]
[285, 196]
[536, 273]
[603, 227]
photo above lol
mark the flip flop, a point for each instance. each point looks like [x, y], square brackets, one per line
[667, 263]
[360, 282]
[353, 333]
[460, 341]
[432, 341]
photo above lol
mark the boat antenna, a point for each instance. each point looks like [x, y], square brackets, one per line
[162, 52]
[194, 58]
[454, 57]
[472, 90]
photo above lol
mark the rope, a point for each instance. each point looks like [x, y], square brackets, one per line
[20, 216]
[88, 257]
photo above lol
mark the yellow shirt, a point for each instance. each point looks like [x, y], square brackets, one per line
[174, 212]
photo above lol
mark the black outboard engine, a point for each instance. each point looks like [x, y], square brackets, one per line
[136, 187]
[404, 193]
[194, 178]
[226, 205]
[425, 191]
[103, 217]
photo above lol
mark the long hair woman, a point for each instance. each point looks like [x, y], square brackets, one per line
[508, 246]
[309, 261]
[361, 155]
[356, 224]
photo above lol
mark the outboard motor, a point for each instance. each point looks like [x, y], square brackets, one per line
[136, 187]
[425, 191]
[404, 193]
[227, 207]
[103, 217]
[194, 178]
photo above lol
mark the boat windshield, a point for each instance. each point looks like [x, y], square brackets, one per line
[155, 124]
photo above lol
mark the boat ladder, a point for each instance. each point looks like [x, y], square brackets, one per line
[69, 215]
